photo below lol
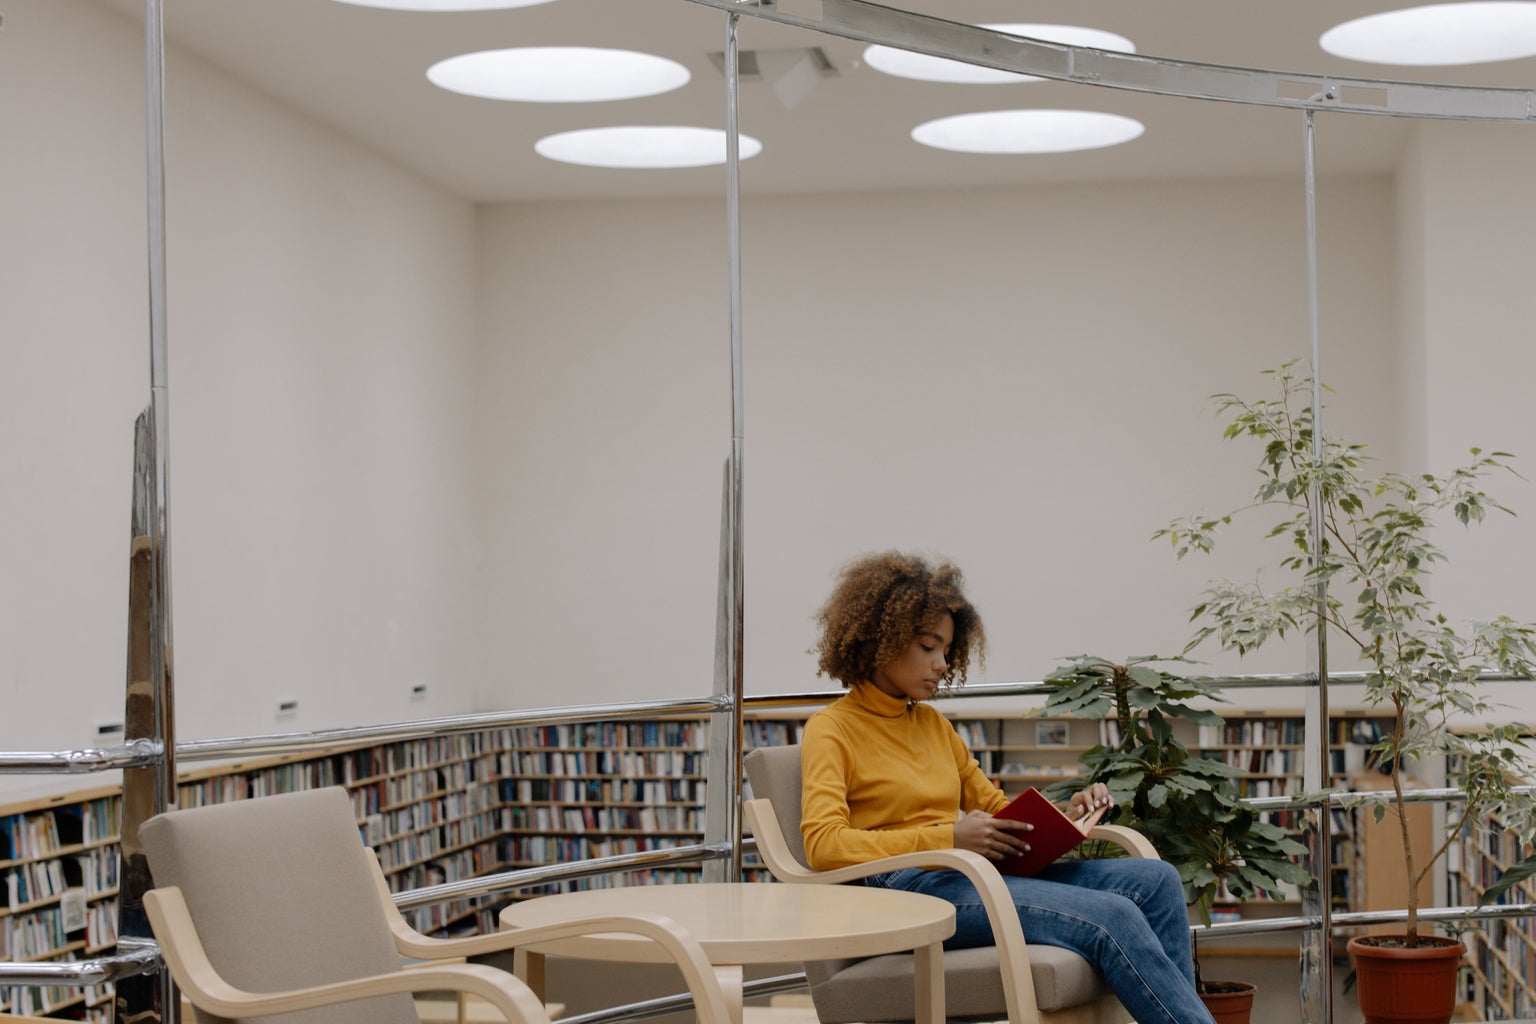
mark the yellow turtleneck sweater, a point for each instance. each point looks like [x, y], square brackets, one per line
[881, 776]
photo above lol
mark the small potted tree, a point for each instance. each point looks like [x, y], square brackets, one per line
[1189, 807]
[1375, 555]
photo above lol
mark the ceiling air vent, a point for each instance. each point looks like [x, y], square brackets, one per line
[791, 74]
[768, 65]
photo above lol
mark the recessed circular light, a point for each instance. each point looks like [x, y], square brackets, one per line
[558, 74]
[906, 64]
[1027, 131]
[649, 146]
[1466, 33]
[445, 5]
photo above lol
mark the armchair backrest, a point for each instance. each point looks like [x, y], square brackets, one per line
[282, 893]
[774, 773]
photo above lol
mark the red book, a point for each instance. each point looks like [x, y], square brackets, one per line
[1054, 833]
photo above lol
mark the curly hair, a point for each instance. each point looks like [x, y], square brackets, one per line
[877, 608]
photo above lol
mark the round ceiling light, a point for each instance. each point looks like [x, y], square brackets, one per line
[906, 64]
[558, 74]
[445, 5]
[642, 146]
[1027, 131]
[1464, 33]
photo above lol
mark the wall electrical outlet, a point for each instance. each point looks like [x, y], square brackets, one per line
[287, 706]
[107, 734]
[419, 692]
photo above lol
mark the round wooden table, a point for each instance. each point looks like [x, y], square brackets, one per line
[752, 923]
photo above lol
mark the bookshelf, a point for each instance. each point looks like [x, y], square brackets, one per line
[58, 863]
[1021, 750]
[1498, 978]
[448, 808]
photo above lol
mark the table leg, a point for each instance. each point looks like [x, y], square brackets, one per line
[529, 966]
[928, 976]
[730, 978]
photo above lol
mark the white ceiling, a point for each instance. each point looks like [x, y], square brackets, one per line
[362, 71]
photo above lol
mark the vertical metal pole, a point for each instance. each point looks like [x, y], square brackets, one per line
[1317, 897]
[737, 622]
[723, 739]
[161, 646]
[148, 713]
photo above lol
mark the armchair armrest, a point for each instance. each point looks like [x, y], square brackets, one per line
[708, 997]
[1007, 932]
[1128, 839]
[184, 953]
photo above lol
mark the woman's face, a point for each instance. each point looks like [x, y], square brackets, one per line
[916, 674]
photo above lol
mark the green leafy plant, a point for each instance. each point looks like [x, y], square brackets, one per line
[1189, 807]
[1373, 563]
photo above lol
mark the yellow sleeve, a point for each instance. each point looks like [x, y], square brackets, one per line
[828, 764]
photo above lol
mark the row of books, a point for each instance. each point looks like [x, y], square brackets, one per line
[100, 925]
[598, 818]
[37, 933]
[480, 859]
[38, 1002]
[607, 791]
[413, 817]
[429, 845]
[33, 881]
[369, 763]
[439, 916]
[973, 733]
[693, 735]
[554, 849]
[623, 763]
[27, 836]
[762, 733]
[101, 821]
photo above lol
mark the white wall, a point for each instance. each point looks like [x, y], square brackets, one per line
[1474, 206]
[417, 442]
[324, 462]
[1014, 378]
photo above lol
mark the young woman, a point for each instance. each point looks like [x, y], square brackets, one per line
[884, 773]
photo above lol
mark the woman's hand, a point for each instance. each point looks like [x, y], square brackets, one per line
[993, 838]
[1087, 800]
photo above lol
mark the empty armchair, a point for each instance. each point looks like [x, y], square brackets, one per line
[275, 906]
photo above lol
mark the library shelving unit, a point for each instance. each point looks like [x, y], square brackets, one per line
[1499, 974]
[448, 808]
[1020, 749]
[58, 858]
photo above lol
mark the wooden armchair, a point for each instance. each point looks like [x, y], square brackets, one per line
[275, 906]
[1027, 984]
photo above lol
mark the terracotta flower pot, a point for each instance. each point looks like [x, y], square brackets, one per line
[1230, 1002]
[1399, 985]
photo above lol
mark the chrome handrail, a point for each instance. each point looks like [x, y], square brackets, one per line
[142, 752]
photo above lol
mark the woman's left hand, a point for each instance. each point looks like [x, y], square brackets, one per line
[1088, 800]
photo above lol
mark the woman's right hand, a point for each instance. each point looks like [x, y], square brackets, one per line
[993, 838]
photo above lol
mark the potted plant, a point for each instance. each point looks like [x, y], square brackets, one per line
[1372, 564]
[1189, 807]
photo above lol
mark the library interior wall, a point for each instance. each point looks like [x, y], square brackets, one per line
[323, 470]
[1016, 378]
[416, 441]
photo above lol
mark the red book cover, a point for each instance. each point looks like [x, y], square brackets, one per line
[1054, 833]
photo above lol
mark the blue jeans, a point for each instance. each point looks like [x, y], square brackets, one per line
[1126, 917]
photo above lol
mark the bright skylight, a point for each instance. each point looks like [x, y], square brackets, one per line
[906, 64]
[642, 146]
[1465, 33]
[1027, 131]
[445, 5]
[558, 74]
